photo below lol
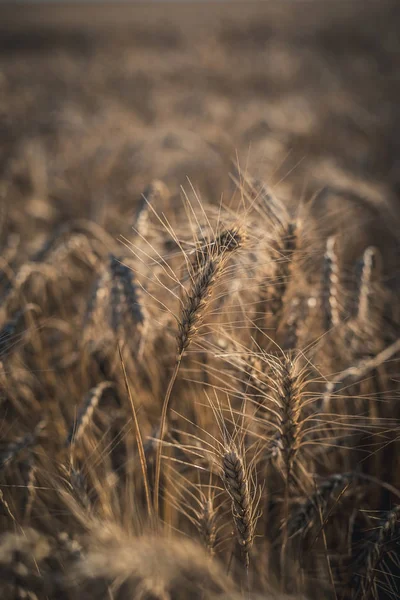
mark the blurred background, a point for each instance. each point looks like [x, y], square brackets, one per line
[97, 99]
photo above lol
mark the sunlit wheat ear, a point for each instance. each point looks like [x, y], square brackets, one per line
[12, 450]
[227, 241]
[236, 484]
[308, 514]
[205, 269]
[153, 193]
[287, 392]
[364, 584]
[330, 286]
[190, 319]
[86, 411]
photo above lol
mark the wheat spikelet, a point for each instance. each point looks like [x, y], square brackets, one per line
[283, 251]
[330, 286]
[125, 294]
[206, 267]
[227, 241]
[236, 484]
[196, 302]
[86, 412]
[207, 524]
[287, 389]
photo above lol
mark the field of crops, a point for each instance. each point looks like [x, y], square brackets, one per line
[199, 301]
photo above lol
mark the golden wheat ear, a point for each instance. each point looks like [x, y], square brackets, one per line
[331, 285]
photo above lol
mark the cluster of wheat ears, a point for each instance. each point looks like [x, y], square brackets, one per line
[206, 409]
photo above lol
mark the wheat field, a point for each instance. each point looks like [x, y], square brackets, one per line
[199, 301]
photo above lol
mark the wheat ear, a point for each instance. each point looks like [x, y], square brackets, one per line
[303, 519]
[207, 524]
[14, 448]
[284, 250]
[236, 484]
[330, 285]
[197, 298]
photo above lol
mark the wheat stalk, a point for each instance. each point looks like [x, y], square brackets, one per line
[192, 312]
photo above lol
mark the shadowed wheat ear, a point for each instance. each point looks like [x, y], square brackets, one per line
[387, 532]
[304, 518]
[236, 484]
[12, 450]
[126, 301]
[194, 305]
[207, 524]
